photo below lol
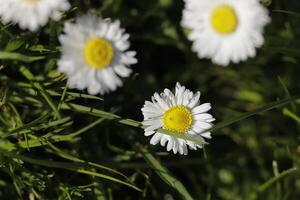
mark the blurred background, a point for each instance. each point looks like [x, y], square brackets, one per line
[241, 161]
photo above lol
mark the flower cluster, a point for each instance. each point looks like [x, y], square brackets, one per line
[96, 56]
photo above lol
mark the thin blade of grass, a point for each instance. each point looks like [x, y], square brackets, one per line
[75, 95]
[41, 89]
[291, 115]
[77, 167]
[45, 140]
[99, 113]
[287, 93]
[287, 12]
[19, 57]
[164, 174]
[129, 122]
[57, 151]
[271, 181]
[255, 111]
[35, 127]
[198, 140]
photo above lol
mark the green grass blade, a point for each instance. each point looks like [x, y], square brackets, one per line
[99, 113]
[271, 181]
[67, 156]
[164, 174]
[75, 95]
[255, 111]
[287, 93]
[287, 12]
[35, 127]
[290, 114]
[41, 89]
[77, 167]
[198, 140]
[129, 122]
[45, 140]
[19, 57]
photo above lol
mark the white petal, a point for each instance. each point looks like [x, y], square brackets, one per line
[73, 42]
[153, 127]
[155, 138]
[202, 108]
[233, 47]
[160, 101]
[203, 125]
[175, 146]
[206, 135]
[152, 122]
[122, 71]
[170, 144]
[164, 140]
[195, 100]
[148, 133]
[203, 116]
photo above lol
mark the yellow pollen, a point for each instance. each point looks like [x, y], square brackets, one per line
[98, 52]
[178, 119]
[224, 19]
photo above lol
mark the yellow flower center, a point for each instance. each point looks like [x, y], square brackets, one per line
[98, 52]
[224, 19]
[178, 119]
[30, 1]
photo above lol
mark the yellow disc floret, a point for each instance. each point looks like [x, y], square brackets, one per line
[224, 19]
[178, 119]
[98, 52]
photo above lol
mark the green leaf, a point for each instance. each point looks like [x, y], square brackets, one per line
[290, 114]
[295, 14]
[271, 181]
[45, 140]
[35, 127]
[250, 96]
[19, 57]
[255, 111]
[266, 2]
[40, 48]
[77, 167]
[99, 113]
[196, 139]
[164, 174]
[14, 44]
[41, 89]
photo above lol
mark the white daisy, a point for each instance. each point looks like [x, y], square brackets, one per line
[95, 54]
[180, 113]
[225, 30]
[31, 14]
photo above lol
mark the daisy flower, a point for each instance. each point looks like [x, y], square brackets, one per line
[95, 54]
[180, 113]
[225, 30]
[31, 14]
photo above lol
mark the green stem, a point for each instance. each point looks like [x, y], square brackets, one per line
[271, 181]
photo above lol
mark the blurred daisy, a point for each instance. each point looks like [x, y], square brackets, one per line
[31, 14]
[95, 54]
[225, 30]
[180, 113]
